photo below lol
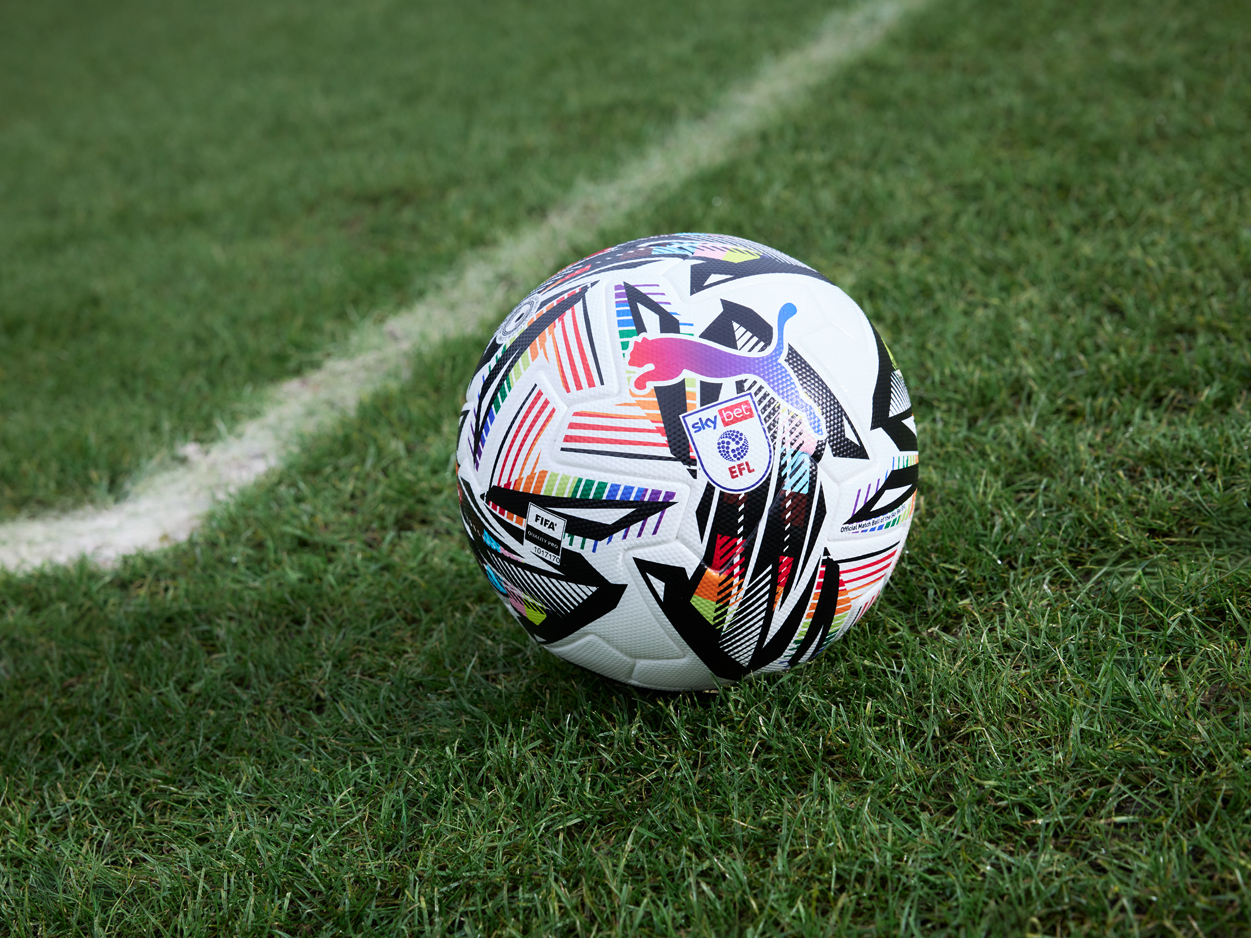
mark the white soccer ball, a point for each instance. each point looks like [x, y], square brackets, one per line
[686, 459]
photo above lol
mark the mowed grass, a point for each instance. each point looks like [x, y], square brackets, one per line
[198, 199]
[316, 718]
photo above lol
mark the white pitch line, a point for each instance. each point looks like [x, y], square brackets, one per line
[167, 505]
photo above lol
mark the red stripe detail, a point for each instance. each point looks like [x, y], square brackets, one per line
[513, 442]
[600, 439]
[528, 424]
[575, 273]
[728, 549]
[588, 380]
[872, 563]
[560, 365]
[577, 333]
[564, 334]
[872, 575]
[784, 570]
[614, 428]
[816, 593]
[609, 416]
[538, 436]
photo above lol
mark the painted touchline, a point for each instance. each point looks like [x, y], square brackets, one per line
[167, 505]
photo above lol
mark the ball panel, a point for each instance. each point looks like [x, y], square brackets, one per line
[593, 653]
[686, 674]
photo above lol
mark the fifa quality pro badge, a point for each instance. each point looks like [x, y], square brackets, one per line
[731, 443]
[544, 532]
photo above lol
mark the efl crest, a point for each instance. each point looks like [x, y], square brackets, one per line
[731, 443]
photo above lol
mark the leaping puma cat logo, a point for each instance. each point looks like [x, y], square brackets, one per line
[665, 358]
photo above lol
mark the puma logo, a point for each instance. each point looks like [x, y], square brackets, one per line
[665, 358]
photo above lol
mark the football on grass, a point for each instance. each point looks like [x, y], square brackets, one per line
[687, 459]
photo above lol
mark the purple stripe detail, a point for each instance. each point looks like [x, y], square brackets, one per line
[661, 517]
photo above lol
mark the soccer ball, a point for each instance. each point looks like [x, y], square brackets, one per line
[686, 459]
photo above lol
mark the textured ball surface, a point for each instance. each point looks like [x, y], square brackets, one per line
[686, 459]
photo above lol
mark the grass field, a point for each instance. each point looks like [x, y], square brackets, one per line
[199, 199]
[315, 718]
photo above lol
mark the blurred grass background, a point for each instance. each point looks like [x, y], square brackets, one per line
[199, 199]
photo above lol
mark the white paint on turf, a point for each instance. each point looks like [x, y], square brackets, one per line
[166, 505]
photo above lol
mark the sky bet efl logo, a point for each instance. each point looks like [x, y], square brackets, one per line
[730, 443]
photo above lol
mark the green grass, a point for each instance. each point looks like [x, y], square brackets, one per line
[198, 199]
[315, 718]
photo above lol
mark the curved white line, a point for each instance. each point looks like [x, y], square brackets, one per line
[167, 505]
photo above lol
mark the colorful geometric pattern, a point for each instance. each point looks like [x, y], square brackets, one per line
[754, 544]
[569, 344]
[886, 502]
[647, 426]
[519, 456]
[802, 644]
[642, 509]
[731, 253]
[559, 334]
[551, 604]
[628, 431]
[717, 259]
[626, 302]
[867, 576]
[765, 593]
